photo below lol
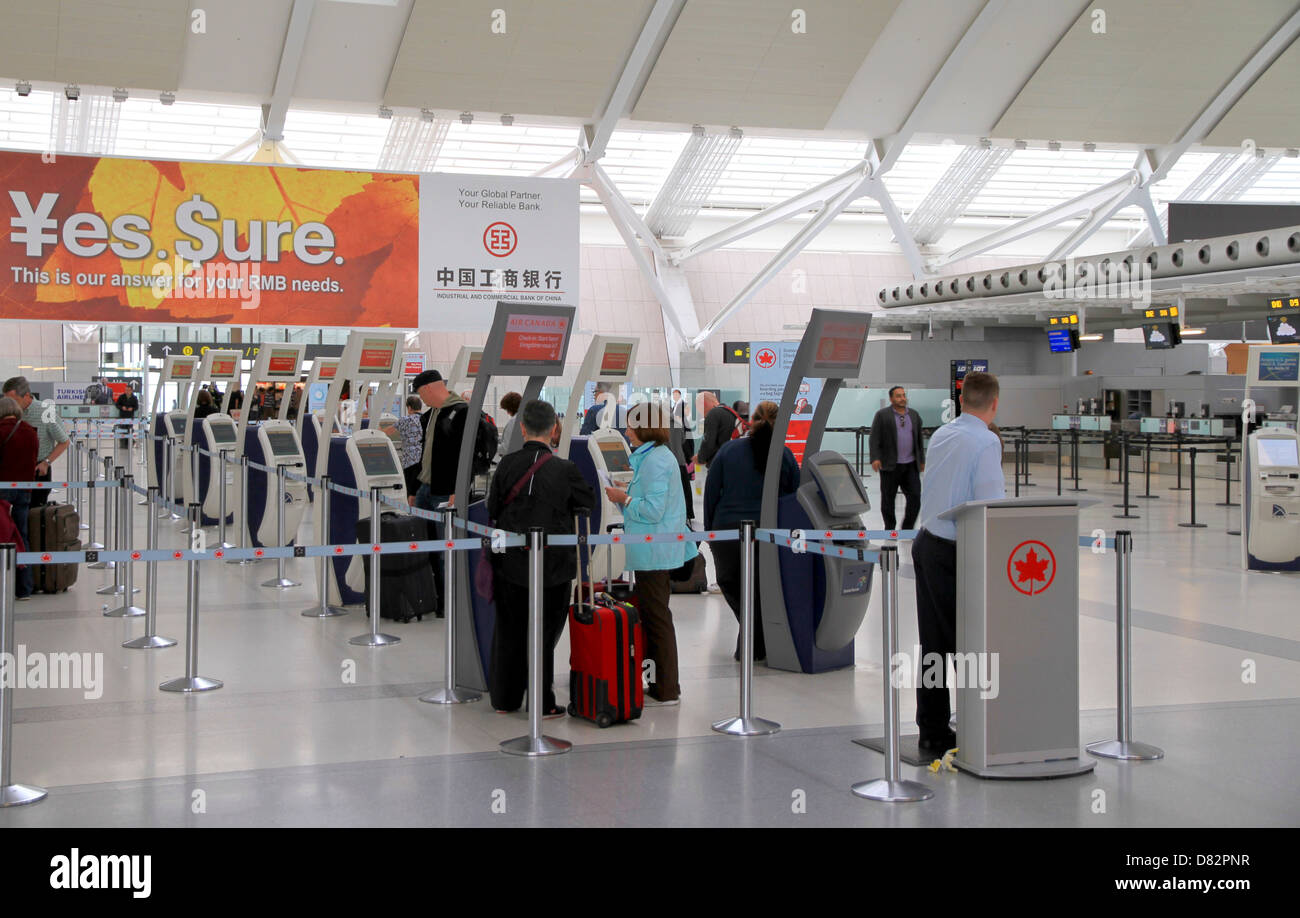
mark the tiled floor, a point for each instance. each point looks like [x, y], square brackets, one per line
[289, 741]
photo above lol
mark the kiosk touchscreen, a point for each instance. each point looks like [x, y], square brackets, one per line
[178, 370]
[220, 366]
[278, 445]
[375, 464]
[220, 433]
[527, 340]
[1271, 502]
[369, 357]
[811, 609]
[174, 427]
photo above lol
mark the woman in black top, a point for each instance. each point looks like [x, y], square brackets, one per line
[733, 492]
[205, 405]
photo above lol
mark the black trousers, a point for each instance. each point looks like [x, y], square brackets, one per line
[686, 491]
[726, 556]
[908, 477]
[509, 680]
[935, 561]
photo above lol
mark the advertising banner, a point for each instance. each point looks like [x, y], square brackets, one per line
[101, 239]
[489, 238]
[769, 367]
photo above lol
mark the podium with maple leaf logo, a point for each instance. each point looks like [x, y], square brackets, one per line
[1018, 637]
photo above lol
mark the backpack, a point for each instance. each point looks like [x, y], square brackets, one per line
[742, 425]
[486, 440]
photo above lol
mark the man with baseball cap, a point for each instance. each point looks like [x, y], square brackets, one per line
[444, 426]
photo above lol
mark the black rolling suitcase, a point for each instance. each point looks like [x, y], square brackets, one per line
[53, 527]
[406, 589]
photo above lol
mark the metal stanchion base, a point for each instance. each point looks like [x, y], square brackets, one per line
[226, 546]
[1192, 525]
[244, 560]
[746, 726]
[323, 611]
[1058, 768]
[149, 642]
[892, 791]
[1126, 516]
[1148, 497]
[93, 546]
[450, 695]
[21, 794]
[102, 565]
[1076, 489]
[195, 684]
[543, 745]
[84, 527]
[1235, 532]
[1129, 752]
[114, 589]
[282, 583]
[1180, 489]
[125, 611]
[374, 640]
[1227, 503]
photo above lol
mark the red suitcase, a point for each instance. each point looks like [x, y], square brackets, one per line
[605, 651]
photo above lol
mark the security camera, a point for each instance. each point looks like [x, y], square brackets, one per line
[23, 88]
[119, 94]
[167, 98]
[72, 91]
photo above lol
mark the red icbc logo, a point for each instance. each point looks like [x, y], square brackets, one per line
[1030, 563]
[500, 239]
[766, 358]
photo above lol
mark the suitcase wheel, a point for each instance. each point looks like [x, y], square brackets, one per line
[603, 719]
[573, 709]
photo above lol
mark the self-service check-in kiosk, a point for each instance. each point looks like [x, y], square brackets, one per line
[1271, 501]
[526, 340]
[369, 357]
[266, 443]
[216, 366]
[603, 457]
[1017, 660]
[375, 464]
[1270, 482]
[323, 371]
[217, 433]
[179, 370]
[813, 605]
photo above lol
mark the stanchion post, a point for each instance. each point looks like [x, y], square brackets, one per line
[280, 581]
[221, 500]
[78, 474]
[126, 568]
[1227, 477]
[1146, 471]
[535, 743]
[323, 609]
[191, 681]
[150, 640]
[110, 534]
[173, 491]
[1015, 462]
[1178, 460]
[374, 637]
[11, 794]
[245, 531]
[1123, 470]
[1074, 459]
[891, 788]
[1192, 497]
[1059, 457]
[1124, 747]
[449, 694]
[746, 724]
[92, 475]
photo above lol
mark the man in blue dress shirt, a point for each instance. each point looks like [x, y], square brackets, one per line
[964, 463]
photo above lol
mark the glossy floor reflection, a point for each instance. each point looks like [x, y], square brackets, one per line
[310, 730]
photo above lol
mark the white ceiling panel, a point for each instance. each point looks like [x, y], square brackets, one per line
[239, 52]
[350, 50]
[1147, 77]
[740, 62]
[552, 59]
[1269, 112]
[137, 43]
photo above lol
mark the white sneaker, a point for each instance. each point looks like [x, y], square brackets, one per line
[652, 702]
[714, 588]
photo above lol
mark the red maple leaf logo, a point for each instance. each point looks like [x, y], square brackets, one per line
[1032, 568]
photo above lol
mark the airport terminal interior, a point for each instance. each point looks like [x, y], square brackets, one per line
[246, 242]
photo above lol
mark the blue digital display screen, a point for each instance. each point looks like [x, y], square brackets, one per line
[1061, 340]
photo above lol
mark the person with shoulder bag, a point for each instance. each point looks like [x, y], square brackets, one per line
[18, 448]
[532, 487]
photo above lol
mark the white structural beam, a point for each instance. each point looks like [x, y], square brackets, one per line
[812, 199]
[295, 39]
[806, 234]
[693, 177]
[645, 52]
[562, 167]
[875, 186]
[972, 37]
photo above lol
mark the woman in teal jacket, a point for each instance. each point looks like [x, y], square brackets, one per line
[654, 502]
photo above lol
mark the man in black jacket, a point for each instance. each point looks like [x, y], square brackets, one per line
[444, 425]
[532, 487]
[899, 457]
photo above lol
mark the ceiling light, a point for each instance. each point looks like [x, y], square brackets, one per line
[1093, 337]
[426, 115]
[466, 117]
[72, 91]
[119, 94]
[736, 132]
[1022, 145]
[1193, 331]
[986, 144]
[1089, 147]
[507, 120]
[23, 88]
[167, 98]
[1054, 145]
[1292, 152]
[385, 111]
